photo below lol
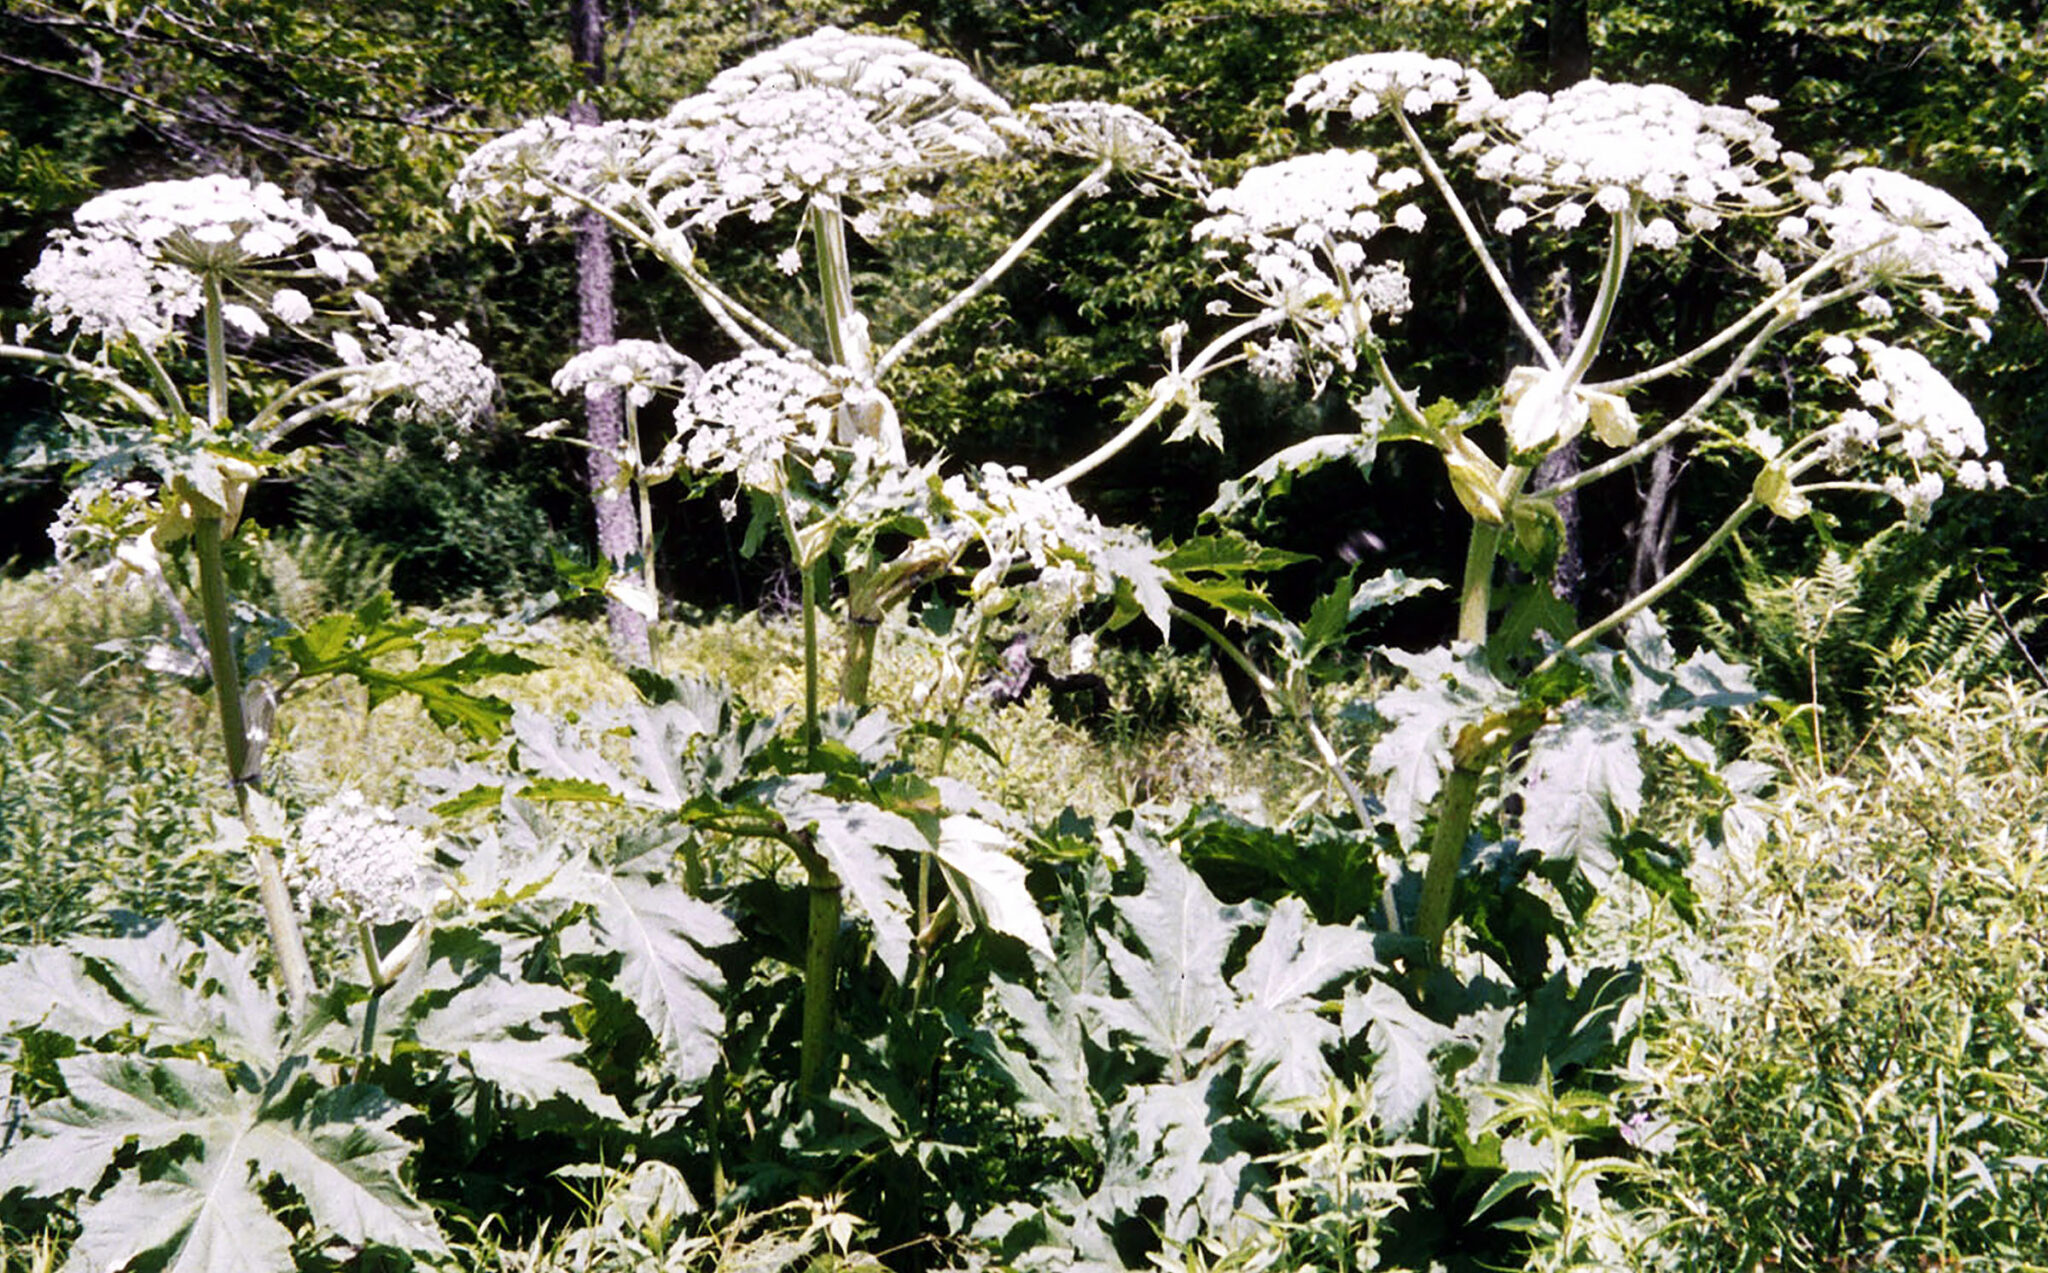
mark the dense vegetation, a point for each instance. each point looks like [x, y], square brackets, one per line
[989, 811]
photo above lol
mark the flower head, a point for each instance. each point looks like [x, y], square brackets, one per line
[1104, 130]
[1610, 146]
[637, 367]
[1907, 233]
[361, 860]
[1412, 82]
[541, 168]
[134, 261]
[436, 374]
[1299, 228]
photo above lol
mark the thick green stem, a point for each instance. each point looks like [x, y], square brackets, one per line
[862, 632]
[225, 663]
[1446, 852]
[1482, 553]
[821, 973]
[286, 943]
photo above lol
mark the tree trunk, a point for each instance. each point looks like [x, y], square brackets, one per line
[618, 528]
[1659, 519]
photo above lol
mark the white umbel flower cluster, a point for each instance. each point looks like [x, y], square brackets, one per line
[1297, 230]
[1910, 410]
[1907, 234]
[359, 859]
[829, 115]
[539, 168]
[1019, 524]
[1607, 146]
[1414, 83]
[749, 414]
[638, 368]
[435, 374]
[133, 264]
[1132, 142]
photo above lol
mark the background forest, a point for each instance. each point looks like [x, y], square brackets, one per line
[1777, 1004]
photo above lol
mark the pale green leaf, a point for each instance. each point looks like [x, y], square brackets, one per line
[1582, 784]
[342, 1157]
[1173, 985]
[1278, 1015]
[207, 1220]
[851, 838]
[1403, 1042]
[660, 932]
[972, 852]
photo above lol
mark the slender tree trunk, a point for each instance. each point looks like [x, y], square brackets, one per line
[1652, 555]
[618, 527]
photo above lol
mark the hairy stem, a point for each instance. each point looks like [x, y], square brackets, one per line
[1530, 331]
[1446, 853]
[996, 269]
[286, 942]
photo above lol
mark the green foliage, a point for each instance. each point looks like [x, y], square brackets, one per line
[1867, 623]
[1854, 1057]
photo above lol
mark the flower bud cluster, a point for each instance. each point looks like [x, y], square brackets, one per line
[134, 262]
[635, 367]
[1019, 522]
[361, 860]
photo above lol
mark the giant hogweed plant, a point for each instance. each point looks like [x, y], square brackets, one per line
[1193, 1056]
[844, 134]
[193, 1109]
[1509, 773]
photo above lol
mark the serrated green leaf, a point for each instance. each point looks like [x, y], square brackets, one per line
[1173, 985]
[660, 932]
[1387, 588]
[1660, 867]
[851, 838]
[342, 1156]
[487, 1026]
[1133, 568]
[1276, 473]
[210, 1221]
[972, 852]
[1277, 1016]
[1403, 1043]
[1452, 688]
[1582, 785]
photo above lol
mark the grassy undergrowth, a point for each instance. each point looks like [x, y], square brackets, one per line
[1844, 1062]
